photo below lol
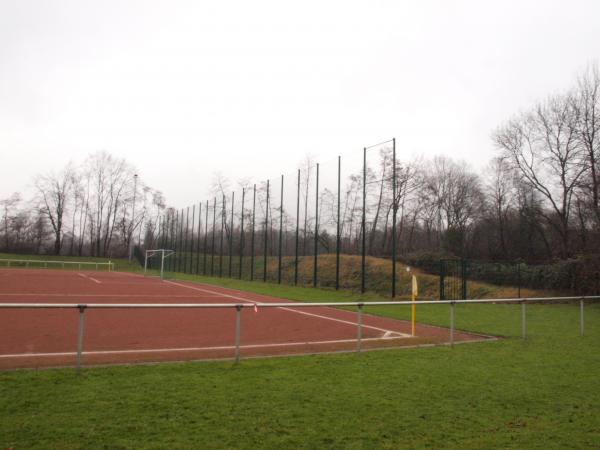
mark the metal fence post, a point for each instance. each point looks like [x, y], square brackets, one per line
[359, 330]
[523, 321]
[337, 233]
[581, 317]
[238, 316]
[452, 324]
[266, 235]
[297, 232]
[394, 213]
[242, 237]
[280, 234]
[364, 223]
[80, 338]
[315, 263]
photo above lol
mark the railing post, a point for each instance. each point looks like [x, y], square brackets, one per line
[359, 330]
[80, 338]
[452, 324]
[581, 323]
[523, 321]
[238, 314]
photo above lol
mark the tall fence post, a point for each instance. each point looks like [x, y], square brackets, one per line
[80, 338]
[198, 233]
[297, 232]
[252, 233]
[180, 243]
[192, 239]
[364, 223]
[231, 235]
[266, 235]
[242, 237]
[452, 324]
[212, 255]
[315, 264]
[337, 233]
[185, 243]
[581, 323]
[223, 214]
[359, 328]
[205, 255]
[394, 213]
[280, 234]
[523, 320]
[238, 317]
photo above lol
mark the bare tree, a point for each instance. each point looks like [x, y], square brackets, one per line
[499, 189]
[9, 210]
[543, 146]
[586, 103]
[53, 193]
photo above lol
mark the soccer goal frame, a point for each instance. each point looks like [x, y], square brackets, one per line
[163, 255]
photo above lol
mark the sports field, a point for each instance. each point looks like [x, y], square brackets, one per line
[43, 337]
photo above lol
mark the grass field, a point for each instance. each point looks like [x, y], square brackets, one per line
[538, 393]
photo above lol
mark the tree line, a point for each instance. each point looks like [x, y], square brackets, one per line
[537, 200]
[85, 210]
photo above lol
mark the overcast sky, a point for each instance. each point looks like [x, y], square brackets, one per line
[185, 89]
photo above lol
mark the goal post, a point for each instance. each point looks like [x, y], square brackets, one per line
[163, 254]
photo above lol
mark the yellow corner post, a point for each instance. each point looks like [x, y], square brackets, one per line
[415, 292]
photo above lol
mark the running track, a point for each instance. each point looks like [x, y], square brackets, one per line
[47, 337]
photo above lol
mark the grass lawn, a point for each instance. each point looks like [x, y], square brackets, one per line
[538, 393]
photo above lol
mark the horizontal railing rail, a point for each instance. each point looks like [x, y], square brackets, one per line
[251, 304]
[8, 262]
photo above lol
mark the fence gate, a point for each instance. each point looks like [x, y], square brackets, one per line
[453, 279]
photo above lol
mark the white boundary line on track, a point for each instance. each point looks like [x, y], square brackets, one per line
[235, 297]
[196, 349]
[83, 275]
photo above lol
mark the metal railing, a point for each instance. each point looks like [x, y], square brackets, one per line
[359, 306]
[62, 264]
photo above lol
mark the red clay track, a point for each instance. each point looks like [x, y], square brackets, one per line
[47, 337]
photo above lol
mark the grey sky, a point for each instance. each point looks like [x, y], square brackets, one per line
[184, 89]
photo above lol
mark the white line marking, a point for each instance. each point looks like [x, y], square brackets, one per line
[87, 277]
[192, 349]
[290, 309]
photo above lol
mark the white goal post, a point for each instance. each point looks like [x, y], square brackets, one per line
[163, 255]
